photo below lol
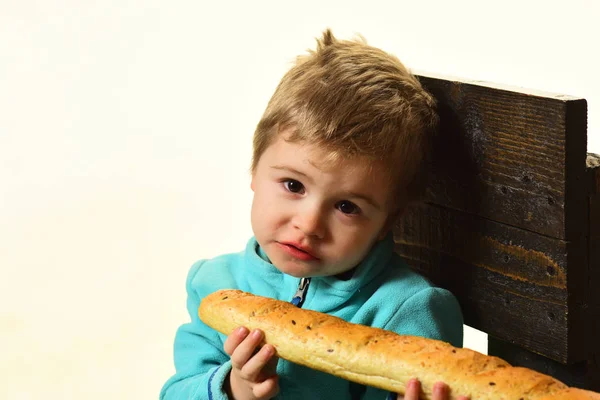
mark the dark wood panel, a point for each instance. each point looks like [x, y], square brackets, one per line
[594, 271]
[595, 214]
[593, 171]
[583, 374]
[511, 283]
[593, 164]
[510, 156]
[576, 199]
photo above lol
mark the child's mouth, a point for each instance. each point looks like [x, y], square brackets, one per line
[297, 252]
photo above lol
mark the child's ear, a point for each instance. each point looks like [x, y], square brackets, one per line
[252, 182]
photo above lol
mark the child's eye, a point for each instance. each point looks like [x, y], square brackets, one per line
[347, 207]
[293, 186]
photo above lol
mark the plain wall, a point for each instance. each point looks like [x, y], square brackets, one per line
[125, 138]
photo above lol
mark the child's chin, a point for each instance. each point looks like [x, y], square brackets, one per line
[297, 274]
[296, 271]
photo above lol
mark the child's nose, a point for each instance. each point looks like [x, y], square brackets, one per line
[310, 222]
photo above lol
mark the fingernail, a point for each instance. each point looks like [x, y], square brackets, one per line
[440, 388]
[268, 351]
[242, 331]
[256, 334]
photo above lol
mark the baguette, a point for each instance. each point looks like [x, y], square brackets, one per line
[376, 357]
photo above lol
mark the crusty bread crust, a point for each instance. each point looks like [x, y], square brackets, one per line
[377, 357]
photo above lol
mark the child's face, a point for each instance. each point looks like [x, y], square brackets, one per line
[314, 219]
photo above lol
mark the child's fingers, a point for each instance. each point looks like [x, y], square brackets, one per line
[271, 367]
[234, 340]
[267, 389]
[413, 389]
[245, 350]
[253, 370]
[440, 391]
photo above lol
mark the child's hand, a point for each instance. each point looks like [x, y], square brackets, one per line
[252, 374]
[440, 391]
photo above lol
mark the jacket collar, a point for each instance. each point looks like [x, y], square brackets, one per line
[372, 265]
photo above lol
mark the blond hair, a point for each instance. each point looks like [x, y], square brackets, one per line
[354, 100]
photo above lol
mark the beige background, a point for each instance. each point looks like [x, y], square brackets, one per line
[125, 130]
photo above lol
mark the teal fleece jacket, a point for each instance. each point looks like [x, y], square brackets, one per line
[384, 292]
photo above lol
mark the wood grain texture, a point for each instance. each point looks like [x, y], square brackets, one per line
[510, 156]
[593, 172]
[511, 222]
[583, 374]
[593, 182]
[511, 283]
[594, 271]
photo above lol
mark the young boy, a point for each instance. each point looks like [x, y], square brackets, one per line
[337, 157]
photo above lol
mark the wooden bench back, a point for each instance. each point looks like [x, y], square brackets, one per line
[511, 219]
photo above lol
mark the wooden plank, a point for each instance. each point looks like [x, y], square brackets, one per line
[576, 210]
[510, 282]
[593, 170]
[593, 164]
[511, 156]
[584, 374]
[594, 271]
[595, 214]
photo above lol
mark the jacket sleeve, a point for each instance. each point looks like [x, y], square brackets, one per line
[201, 365]
[432, 313]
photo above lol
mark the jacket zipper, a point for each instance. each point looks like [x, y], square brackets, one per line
[300, 295]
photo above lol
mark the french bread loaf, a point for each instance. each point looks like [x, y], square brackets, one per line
[376, 357]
